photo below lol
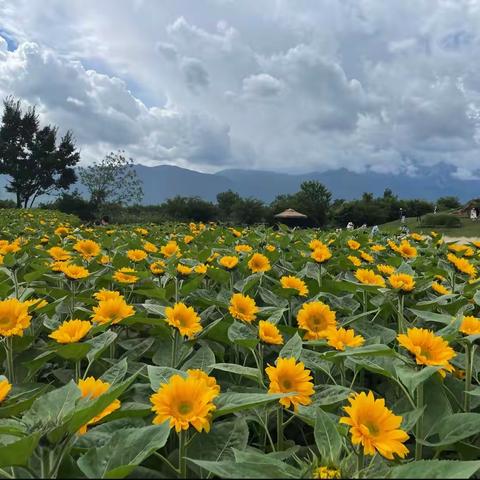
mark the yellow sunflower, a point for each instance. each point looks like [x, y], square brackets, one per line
[402, 281]
[184, 318]
[243, 248]
[228, 261]
[150, 247]
[375, 427]
[406, 250]
[59, 254]
[125, 275]
[342, 337]
[439, 288]
[75, 272]
[184, 402]
[326, 473]
[157, 267]
[170, 249]
[470, 325]
[112, 311]
[105, 294]
[71, 331]
[14, 317]
[355, 260]
[289, 376]
[353, 244]
[269, 333]
[259, 263]
[369, 277]
[316, 319]
[243, 307]
[5, 387]
[321, 254]
[184, 269]
[93, 388]
[386, 269]
[295, 283]
[429, 349]
[87, 248]
[137, 255]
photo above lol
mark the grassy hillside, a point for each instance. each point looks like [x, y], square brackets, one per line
[468, 228]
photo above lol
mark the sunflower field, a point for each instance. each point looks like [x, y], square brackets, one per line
[206, 351]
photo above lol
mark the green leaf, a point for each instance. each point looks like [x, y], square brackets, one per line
[53, 409]
[242, 335]
[218, 443]
[99, 344]
[435, 469]
[126, 449]
[330, 394]
[293, 348]
[235, 402]
[367, 350]
[429, 316]
[19, 453]
[248, 372]
[89, 408]
[412, 377]
[456, 427]
[73, 351]
[159, 375]
[328, 440]
[202, 359]
[232, 469]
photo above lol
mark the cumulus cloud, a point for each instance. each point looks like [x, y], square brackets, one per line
[387, 86]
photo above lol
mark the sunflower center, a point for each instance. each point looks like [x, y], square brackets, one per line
[317, 321]
[372, 428]
[184, 408]
[287, 384]
[5, 321]
[425, 353]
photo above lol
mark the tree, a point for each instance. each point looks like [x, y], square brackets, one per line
[448, 203]
[249, 211]
[226, 203]
[112, 180]
[314, 199]
[29, 155]
[74, 204]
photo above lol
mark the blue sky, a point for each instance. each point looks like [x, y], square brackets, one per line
[282, 85]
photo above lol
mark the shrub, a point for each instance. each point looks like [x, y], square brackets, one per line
[441, 220]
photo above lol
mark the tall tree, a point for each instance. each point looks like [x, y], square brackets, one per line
[315, 200]
[112, 180]
[226, 202]
[29, 155]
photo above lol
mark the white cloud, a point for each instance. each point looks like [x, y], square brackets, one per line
[309, 85]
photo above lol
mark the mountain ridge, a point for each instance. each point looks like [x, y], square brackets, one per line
[166, 181]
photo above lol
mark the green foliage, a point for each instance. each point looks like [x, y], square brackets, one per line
[441, 220]
[30, 156]
[112, 180]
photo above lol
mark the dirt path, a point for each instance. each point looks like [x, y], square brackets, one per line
[462, 240]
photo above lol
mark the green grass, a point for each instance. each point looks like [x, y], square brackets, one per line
[468, 228]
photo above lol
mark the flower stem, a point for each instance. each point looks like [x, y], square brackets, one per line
[419, 425]
[77, 371]
[182, 453]
[469, 351]
[280, 429]
[174, 348]
[401, 318]
[9, 358]
[360, 461]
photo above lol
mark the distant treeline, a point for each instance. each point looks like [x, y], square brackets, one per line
[313, 199]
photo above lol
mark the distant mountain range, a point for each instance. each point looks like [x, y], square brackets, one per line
[165, 181]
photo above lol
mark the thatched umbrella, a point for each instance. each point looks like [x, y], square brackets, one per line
[292, 218]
